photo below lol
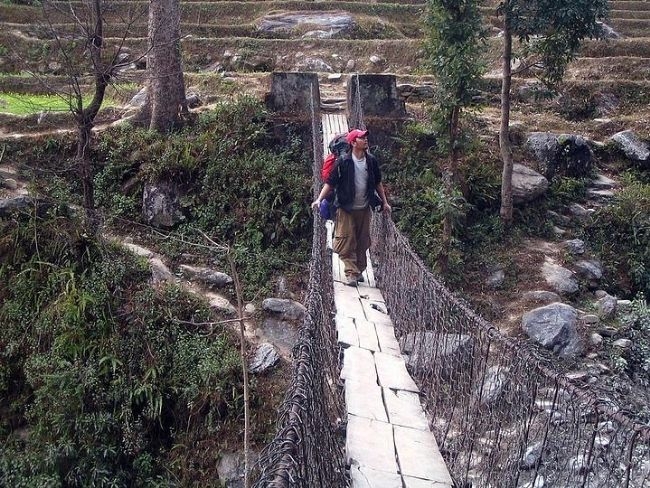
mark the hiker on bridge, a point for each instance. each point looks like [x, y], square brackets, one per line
[356, 179]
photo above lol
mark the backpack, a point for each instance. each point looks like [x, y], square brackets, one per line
[337, 146]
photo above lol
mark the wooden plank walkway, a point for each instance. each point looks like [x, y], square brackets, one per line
[388, 440]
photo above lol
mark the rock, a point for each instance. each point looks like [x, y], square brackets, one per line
[554, 327]
[607, 331]
[332, 22]
[541, 296]
[313, 64]
[139, 99]
[193, 100]
[595, 339]
[250, 308]
[159, 271]
[517, 133]
[492, 390]
[622, 343]
[603, 182]
[561, 279]
[496, 279]
[376, 60]
[230, 468]
[633, 147]
[600, 293]
[580, 212]
[590, 319]
[607, 307]
[280, 333]
[285, 308]
[220, 304]
[266, 356]
[544, 147]
[532, 455]
[532, 91]
[575, 157]
[623, 305]
[575, 246]
[350, 65]
[207, 276]
[600, 195]
[9, 183]
[527, 185]
[606, 32]
[450, 351]
[161, 205]
[258, 63]
[557, 218]
[589, 269]
[23, 204]
[139, 250]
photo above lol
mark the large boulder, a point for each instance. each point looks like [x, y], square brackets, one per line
[575, 157]
[632, 146]
[527, 184]
[284, 308]
[544, 147]
[207, 276]
[266, 356]
[329, 22]
[554, 327]
[561, 279]
[451, 352]
[161, 205]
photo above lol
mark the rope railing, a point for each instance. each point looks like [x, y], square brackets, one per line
[308, 448]
[502, 416]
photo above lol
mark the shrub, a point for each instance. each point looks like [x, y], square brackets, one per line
[101, 370]
[620, 233]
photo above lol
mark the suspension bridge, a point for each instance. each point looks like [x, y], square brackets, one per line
[397, 383]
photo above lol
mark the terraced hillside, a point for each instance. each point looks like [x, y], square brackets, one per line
[229, 46]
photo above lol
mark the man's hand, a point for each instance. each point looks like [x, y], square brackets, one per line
[315, 205]
[386, 208]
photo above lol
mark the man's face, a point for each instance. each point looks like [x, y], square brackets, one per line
[360, 143]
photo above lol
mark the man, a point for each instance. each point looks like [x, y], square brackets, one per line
[355, 177]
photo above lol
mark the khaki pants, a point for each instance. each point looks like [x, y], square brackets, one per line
[352, 239]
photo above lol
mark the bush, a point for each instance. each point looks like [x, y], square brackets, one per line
[100, 371]
[620, 233]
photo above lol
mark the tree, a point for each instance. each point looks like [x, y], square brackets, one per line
[454, 48]
[82, 52]
[549, 34]
[166, 105]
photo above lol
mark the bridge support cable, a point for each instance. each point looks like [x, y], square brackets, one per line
[307, 450]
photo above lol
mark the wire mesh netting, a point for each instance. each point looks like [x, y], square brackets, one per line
[502, 417]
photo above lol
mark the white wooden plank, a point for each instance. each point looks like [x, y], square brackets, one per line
[393, 374]
[387, 342]
[410, 482]
[418, 455]
[376, 312]
[358, 365]
[373, 294]
[364, 477]
[346, 330]
[370, 443]
[404, 408]
[364, 399]
[337, 268]
[367, 334]
[347, 301]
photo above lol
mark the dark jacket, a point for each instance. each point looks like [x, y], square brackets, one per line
[342, 179]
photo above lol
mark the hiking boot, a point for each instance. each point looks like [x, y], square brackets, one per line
[351, 281]
[360, 278]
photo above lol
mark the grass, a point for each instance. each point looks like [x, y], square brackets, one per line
[28, 104]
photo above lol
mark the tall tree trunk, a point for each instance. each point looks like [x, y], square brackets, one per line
[449, 177]
[504, 131]
[166, 95]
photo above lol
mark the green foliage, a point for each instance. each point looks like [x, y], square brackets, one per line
[29, 103]
[239, 186]
[564, 190]
[550, 31]
[98, 368]
[620, 233]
